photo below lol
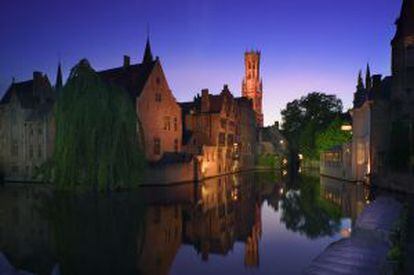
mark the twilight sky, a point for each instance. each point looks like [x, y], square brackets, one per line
[306, 46]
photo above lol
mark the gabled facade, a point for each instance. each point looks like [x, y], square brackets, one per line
[159, 115]
[26, 127]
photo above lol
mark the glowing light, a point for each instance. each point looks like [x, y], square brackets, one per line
[284, 172]
[281, 191]
[346, 128]
[285, 161]
[300, 156]
[282, 141]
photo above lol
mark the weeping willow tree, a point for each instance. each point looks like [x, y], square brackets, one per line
[96, 144]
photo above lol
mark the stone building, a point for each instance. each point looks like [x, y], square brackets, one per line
[26, 127]
[221, 131]
[252, 86]
[158, 112]
[383, 115]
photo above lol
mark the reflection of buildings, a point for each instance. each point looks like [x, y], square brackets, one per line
[25, 235]
[352, 198]
[210, 226]
[160, 240]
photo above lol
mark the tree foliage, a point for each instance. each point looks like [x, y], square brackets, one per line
[332, 136]
[96, 143]
[305, 211]
[304, 118]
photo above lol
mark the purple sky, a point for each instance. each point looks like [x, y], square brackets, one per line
[306, 46]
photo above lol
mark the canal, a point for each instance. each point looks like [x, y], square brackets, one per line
[250, 223]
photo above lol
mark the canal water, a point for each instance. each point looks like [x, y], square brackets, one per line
[250, 223]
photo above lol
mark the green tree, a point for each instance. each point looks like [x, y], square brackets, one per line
[304, 118]
[96, 145]
[332, 136]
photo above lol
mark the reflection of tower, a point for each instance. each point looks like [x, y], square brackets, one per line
[252, 256]
[252, 87]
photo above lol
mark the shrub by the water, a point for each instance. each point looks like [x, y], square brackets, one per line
[96, 145]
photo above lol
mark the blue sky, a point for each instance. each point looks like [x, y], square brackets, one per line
[306, 45]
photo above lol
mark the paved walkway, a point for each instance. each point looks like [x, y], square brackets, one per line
[365, 252]
[409, 268]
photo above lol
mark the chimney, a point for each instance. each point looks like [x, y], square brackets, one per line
[127, 61]
[205, 101]
[376, 80]
[277, 124]
[37, 75]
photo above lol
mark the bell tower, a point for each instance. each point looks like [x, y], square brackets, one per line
[252, 87]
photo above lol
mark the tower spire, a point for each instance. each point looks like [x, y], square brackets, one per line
[368, 79]
[148, 58]
[59, 81]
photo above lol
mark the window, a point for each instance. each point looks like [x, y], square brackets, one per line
[39, 151]
[157, 146]
[14, 150]
[223, 123]
[167, 124]
[230, 140]
[175, 124]
[31, 152]
[40, 131]
[15, 170]
[176, 145]
[158, 97]
[222, 139]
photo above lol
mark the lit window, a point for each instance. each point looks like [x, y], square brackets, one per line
[167, 124]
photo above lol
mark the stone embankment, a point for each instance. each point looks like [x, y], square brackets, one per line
[365, 252]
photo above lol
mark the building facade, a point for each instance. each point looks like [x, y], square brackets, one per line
[221, 131]
[383, 139]
[252, 85]
[26, 127]
[159, 115]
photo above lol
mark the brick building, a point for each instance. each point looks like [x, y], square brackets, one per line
[221, 131]
[158, 112]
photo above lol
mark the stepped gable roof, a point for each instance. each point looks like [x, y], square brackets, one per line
[131, 78]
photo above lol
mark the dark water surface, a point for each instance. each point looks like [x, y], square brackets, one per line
[251, 223]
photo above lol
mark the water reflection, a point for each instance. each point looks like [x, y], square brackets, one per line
[238, 223]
